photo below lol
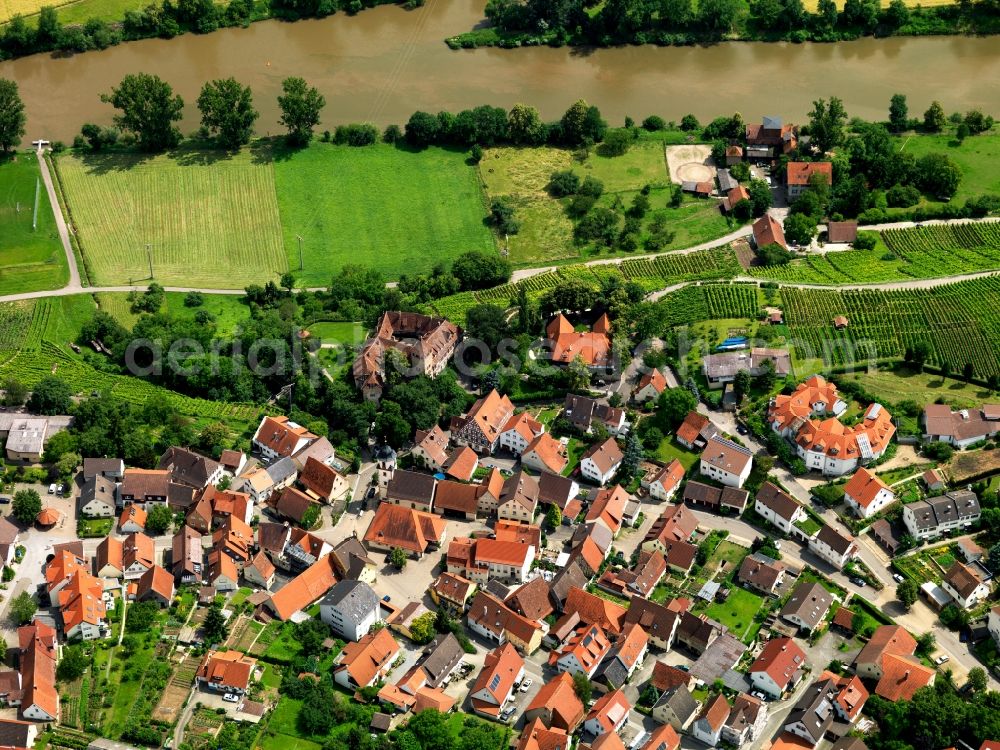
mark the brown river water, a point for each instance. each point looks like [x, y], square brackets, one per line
[383, 64]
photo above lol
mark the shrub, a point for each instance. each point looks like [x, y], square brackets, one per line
[653, 123]
[563, 183]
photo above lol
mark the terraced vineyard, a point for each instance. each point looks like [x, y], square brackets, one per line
[960, 322]
[650, 273]
[29, 352]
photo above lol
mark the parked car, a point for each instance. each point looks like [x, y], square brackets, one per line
[386, 598]
[507, 713]
[231, 698]
[942, 659]
[4, 501]
[525, 685]
[52, 489]
[897, 578]
[741, 429]
[859, 582]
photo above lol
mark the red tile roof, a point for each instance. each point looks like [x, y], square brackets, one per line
[781, 658]
[593, 347]
[902, 676]
[413, 530]
[227, 669]
[369, 656]
[308, 586]
[768, 231]
[558, 696]
[864, 486]
[799, 172]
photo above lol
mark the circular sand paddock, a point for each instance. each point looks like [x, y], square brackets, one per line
[695, 172]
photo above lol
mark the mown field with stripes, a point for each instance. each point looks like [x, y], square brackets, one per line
[209, 225]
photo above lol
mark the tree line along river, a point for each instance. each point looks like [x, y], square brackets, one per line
[383, 64]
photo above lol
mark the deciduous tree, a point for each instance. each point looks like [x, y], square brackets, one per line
[898, 113]
[149, 109]
[23, 608]
[27, 504]
[827, 122]
[300, 106]
[934, 118]
[227, 111]
[12, 116]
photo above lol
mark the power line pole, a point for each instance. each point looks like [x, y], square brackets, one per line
[149, 256]
[299, 238]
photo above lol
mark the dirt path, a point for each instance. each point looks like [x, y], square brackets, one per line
[74, 272]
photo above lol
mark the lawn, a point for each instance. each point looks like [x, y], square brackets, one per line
[207, 220]
[94, 527]
[227, 309]
[70, 11]
[727, 552]
[737, 612]
[396, 210]
[30, 259]
[546, 233]
[976, 156]
[669, 449]
[893, 386]
[346, 333]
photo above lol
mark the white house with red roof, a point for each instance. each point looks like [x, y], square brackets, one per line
[778, 668]
[866, 494]
[278, 437]
[609, 713]
[664, 484]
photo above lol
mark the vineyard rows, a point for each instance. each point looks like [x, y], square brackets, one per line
[960, 322]
[649, 273]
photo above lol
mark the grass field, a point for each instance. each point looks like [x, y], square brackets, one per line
[737, 612]
[893, 386]
[977, 156]
[227, 309]
[30, 259]
[669, 449]
[346, 333]
[395, 210]
[546, 233]
[208, 223]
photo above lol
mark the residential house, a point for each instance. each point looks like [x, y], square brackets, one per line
[800, 175]
[888, 659]
[462, 464]
[960, 428]
[430, 448]
[9, 535]
[322, 482]
[518, 498]
[770, 139]
[495, 621]
[545, 454]
[556, 704]
[61, 569]
[294, 505]
[38, 652]
[695, 431]
[108, 558]
[133, 520]
[147, 487]
[726, 462]
[721, 368]
[480, 429]
[663, 486]
[710, 722]
[222, 572]
[350, 608]
[457, 499]
[226, 671]
[726, 500]
[625, 656]
[412, 530]
[807, 606]
[768, 231]
[649, 569]
[259, 571]
[902, 676]
[676, 524]
[233, 462]
[747, 721]
[814, 713]
[535, 736]
[601, 462]
[733, 197]
[608, 508]
[827, 445]
[531, 600]
[234, 539]
[138, 555]
[279, 437]
[582, 412]
[26, 438]
[658, 621]
[307, 587]
[778, 667]
[97, 497]
[17, 734]
[451, 590]
[887, 639]
[608, 714]
[592, 347]
[109, 468]
[650, 386]
[519, 432]
[833, 546]
[503, 669]
[967, 585]
[993, 623]
[590, 546]
[583, 652]
[698, 632]
[761, 573]
[778, 508]
[363, 663]
[866, 494]
[189, 468]
[934, 516]
[82, 608]
[676, 708]
[571, 578]
[155, 585]
[557, 490]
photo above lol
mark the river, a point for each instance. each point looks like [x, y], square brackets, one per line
[384, 63]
